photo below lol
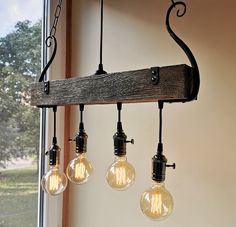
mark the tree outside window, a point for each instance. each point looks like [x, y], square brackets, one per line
[20, 65]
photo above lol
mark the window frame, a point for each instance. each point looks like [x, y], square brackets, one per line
[43, 121]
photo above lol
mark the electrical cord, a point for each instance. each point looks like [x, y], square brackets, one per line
[100, 66]
[54, 140]
[160, 145]
[81, 125]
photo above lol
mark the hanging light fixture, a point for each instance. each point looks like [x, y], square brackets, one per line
[179, 83]
[156, 202]
[79, 169]
[54, 181]
[120, 174]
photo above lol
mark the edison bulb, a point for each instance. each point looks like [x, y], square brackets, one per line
[79, 169]
[121, 174]
[54, 182]
[156, 202]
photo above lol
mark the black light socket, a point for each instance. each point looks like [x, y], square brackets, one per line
[159, 164]
[120, 140]
[54, 155]
[159, 167]
[81, 140]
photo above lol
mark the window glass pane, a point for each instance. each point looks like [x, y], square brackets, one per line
[20, 63]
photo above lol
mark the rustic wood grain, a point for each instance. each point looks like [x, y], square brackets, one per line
[175, 83]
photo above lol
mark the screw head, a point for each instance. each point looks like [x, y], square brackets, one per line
[154, 78]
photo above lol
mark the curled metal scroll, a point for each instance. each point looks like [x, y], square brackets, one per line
[185, 48]
[51, 40]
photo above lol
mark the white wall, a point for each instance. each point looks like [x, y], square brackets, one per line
[198, 136]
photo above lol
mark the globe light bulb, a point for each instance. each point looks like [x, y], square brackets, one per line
[79, 169]
[121, 174]
[54, 182]
[156, 202]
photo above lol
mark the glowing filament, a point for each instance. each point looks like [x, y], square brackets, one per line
[54, 183]
[80, 171]
[120, 176]
[156, 204]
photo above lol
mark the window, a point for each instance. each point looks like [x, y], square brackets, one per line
[20, 65]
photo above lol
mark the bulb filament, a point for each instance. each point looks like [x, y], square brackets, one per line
[156, 204]
[80, 171]
[120, 176]
[54, 183]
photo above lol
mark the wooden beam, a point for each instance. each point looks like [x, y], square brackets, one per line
[175, 83]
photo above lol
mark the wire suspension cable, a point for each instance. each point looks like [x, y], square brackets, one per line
[81, 124]
[119, 124]
[81, 116]
[160, 126]
[54, 126]
[81, 106]
[100, 66]
[119, 107]
[101, 33]
[160, 145]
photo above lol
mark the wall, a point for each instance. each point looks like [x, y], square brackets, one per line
[198, 136]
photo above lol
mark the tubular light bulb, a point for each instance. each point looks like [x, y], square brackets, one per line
[121, 174]
[54, 182]
[79, 169]
[156, 202]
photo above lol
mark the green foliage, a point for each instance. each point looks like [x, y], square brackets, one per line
[20, 64]
[18, 197]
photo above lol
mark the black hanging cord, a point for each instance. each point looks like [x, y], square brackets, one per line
[81, 125]
[159, 161]
[119, 107]
[81, 107]
[100, 66]
[119, 124]
[160, 104]
[54, 140]
[101, 32]
[160, 145]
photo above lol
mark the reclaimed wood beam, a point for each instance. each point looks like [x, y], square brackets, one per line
[174, 84]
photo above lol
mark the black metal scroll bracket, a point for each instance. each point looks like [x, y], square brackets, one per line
[51, 40]
[195, 71]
